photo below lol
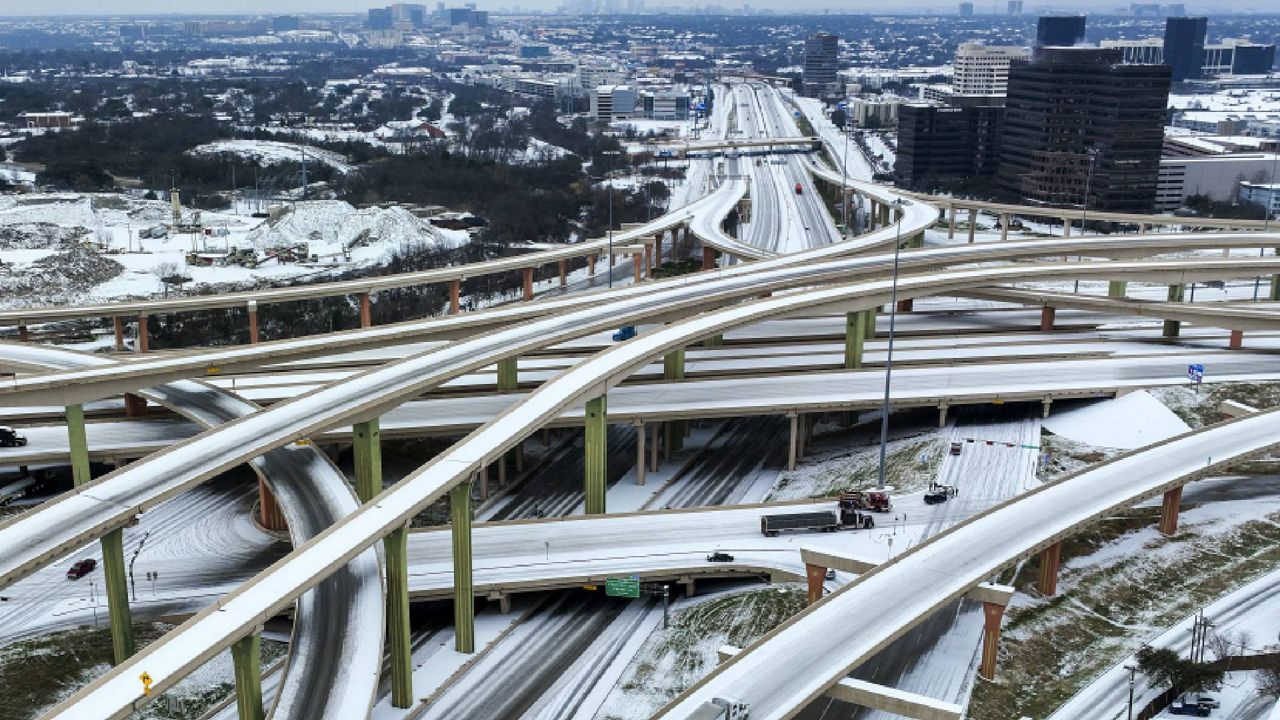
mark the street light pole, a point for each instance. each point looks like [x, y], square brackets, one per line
[133, 588]
[609, 179]
[1084, 214]
[1132, 669]
[898, 203]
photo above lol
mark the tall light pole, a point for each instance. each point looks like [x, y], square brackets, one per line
[844, 170]
[1084, 214]
[898, 204]
[1132, 669]
[133, 589]
[1271, 201]
[609, 180]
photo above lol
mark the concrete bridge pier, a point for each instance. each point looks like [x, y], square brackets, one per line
[366, 310]
[1237, 340]
[673, 370]
[1169, 509]
[112, 544]
[1050, 563]
[562, 268]
[951, 222]
[142, 343]
[1004, 226]
[814, 575]
[253, 322]
[464, 608]
[641, 457]
[367, 451]
[1117, 288]
[508, 377]
[591, 266]
[134, 406]
[246, 657]
[1066, 227]
[527, 280]
[854, 338]
[714, 341]
[942, 415]
[708, 258]
[455, 297]
[596, 454]
[657, 251]
[270, 516]
[793, 448]
[637, 265]
[1173, 327]
[993, 615]
[1048, 314]
[117, 328]
[973, 223]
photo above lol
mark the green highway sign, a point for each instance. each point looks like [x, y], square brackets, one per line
[622, 587]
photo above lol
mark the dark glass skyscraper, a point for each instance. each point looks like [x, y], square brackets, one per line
[1184, 46]
[1077, 117]
[1059, 30]
[820, 52]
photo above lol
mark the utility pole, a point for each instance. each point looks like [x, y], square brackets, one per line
[898, 203]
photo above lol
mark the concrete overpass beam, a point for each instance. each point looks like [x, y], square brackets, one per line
[117, 328]
[1176, 294]
[1117, 288]
[1048, 314]
[1237, 340]
[1169, 509]
[854, 339]
[367, 452]
[1050, 562]
[142, 343]
[113, 570]
[253, 322]
[366, 310]
[464, 612]
[641, 458]
[396, 554]
[455, 297]
[973, 223]
[246, 657]
[596, 454]
[526, 275]
[815, 575]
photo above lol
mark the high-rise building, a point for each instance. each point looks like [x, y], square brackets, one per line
[1184, 46]
[820, 53]
[286, 23]
[1015, 7]
[939, 145]
[380, 18]
[983, 69]
[966, 9]
[1059, 30]
[1077, 117]
[1253, 59]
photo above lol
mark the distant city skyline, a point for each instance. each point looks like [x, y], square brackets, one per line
[12, 8]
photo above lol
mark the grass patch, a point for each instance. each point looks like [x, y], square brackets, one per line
[1200, 408]
[673, 268]
[858, 469]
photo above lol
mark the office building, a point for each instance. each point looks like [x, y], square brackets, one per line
[820, 53]
[1229, 57]
[1147, 51]
[983, 69]
[880, 111]
[1184, 46]
[1077, 116]
[611, 102]
[379, 19]
[1265, 194]
[1217, 177]
[1059, 30]
[938, 145]
[286, 23]
[966, 9]
[1252, 58]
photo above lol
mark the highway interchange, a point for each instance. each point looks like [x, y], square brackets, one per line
[810, 275]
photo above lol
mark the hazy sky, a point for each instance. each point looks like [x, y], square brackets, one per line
[248, 7]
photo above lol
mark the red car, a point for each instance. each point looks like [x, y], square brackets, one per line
[81, 568]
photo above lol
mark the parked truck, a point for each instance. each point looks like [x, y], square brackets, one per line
[874, 501]
[820, 521]
[10, 437]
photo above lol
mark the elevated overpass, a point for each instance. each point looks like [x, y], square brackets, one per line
[236, 616]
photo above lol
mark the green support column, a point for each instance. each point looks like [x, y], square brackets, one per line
[869, 323]
[464, 602]
[854, 338]
[673, 369]
[597, 454]
[368, 459]
[396, 551]
[246, 655]
[508, 379]
[714, 341]
[1275, 289]
[1117, 288]
[117, 595]
[79, 445]
[1173, 327]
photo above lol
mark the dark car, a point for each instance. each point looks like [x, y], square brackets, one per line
[1185, 708]
[81, 568]
[719, 557]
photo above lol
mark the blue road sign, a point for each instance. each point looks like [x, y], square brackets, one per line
[1195, 373]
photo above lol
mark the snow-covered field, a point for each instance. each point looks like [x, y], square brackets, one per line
[273, 152]
[52, 237]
